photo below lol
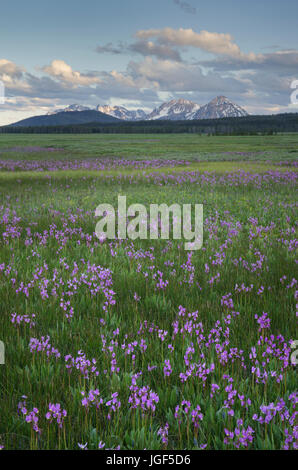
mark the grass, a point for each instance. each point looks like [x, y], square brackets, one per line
[196, 310]
[173, 146]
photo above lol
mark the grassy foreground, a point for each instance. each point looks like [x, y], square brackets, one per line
[141, 344]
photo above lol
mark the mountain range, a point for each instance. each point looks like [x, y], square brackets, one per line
[174, 110]
[120, 112]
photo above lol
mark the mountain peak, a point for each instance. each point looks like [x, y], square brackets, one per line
[220, 99]
[220, 107]
[175, 110]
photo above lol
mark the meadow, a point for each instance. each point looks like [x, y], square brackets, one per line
[125, 344]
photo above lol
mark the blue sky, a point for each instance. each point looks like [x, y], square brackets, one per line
[138, 53]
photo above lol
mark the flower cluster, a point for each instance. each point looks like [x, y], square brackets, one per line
[240, 437]
[56, 413]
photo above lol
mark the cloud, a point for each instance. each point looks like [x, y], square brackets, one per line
[165, 44]
[216, 43]
[10, 69]
[281, 59]
[280, 62]
[13, 77]
[166, 75]
[62, 71]
[142, 47]
[26, 91]
[185, 6]
[29, 103]
[149, 48]
[109, 48]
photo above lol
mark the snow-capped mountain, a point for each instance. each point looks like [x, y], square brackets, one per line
[122, 113]
[219, 107]
[175, 110]
[70, 108]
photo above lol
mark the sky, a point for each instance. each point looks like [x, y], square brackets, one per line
[139, 53]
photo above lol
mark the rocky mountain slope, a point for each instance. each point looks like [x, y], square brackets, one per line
[120, 112]
[219, 107]
[175, 110]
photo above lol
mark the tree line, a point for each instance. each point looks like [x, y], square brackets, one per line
[247, 125]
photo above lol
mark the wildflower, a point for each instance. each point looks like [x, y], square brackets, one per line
[142, 397]
[214, 388]
[163, 433]
[55, 412]
[91, 399]
[114, 404]
[167, 370]
[83, 446]
[240, 437]
[264, 321]
[31, 417]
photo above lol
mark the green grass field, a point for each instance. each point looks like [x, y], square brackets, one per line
[174, 146]
[144, 344]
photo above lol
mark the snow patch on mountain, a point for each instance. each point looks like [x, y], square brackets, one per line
[69, 109]
[175, 110]
[122, 113]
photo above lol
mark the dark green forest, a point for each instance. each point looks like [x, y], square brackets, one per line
[248, 125]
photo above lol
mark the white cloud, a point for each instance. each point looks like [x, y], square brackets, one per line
[9, 68]
[149, 48]
[62, 71]
[216, 43]
[166, 75]
[12, 76]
